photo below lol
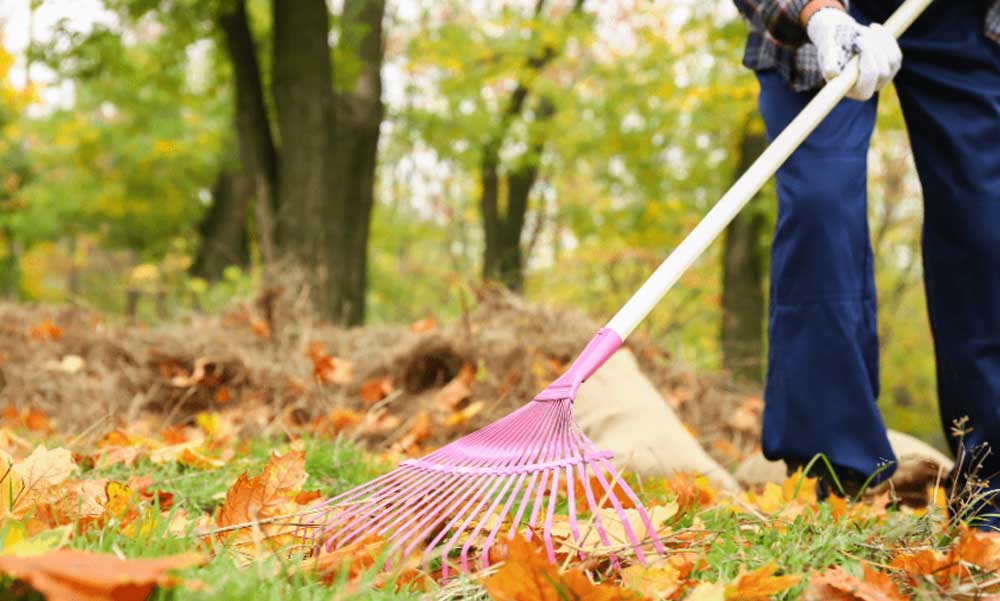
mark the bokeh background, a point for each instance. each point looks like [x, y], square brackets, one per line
[162, 157]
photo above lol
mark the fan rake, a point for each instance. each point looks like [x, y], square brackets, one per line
[507, 477]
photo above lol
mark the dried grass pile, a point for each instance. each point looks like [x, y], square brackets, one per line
[404, 387]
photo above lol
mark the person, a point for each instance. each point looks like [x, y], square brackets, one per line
[822, 380]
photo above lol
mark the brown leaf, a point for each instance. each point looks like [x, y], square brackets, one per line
[528, 576]
[837, 585]
[254, 501]
[760, 584]
[72, 575]
[326, 368]
[375, 390]
[456, 391]
[979, 548]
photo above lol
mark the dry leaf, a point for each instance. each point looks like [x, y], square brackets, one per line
[275, 492]
[760, 584]
[326, 368]
[837, 585]
[613, 528]
[41, 475]
[456, 391]
[375, 390]
[692, 490]
[664, 579]
[72, 575]
[707, 591]
[526, 575]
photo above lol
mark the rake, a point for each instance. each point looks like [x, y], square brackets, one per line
[511, 475]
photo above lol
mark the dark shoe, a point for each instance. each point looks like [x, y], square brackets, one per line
[851, 482]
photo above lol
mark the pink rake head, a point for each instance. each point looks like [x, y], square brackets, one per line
[506, 476]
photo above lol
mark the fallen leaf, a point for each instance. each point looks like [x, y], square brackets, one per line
[273, 493]
[527, 575]
[613, 527]
[456, 391]
[326, 368]
[375, 390]
[707, 591]
[691, 490]
[17, 540]
[760, 584]
[835, 584]
[72, 575]
[663, 579]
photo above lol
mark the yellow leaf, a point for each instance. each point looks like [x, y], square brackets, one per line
[707, 591]
[17, 543]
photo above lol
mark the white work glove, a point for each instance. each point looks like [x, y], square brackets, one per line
[838, 37]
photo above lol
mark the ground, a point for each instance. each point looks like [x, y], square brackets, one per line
[203, 443]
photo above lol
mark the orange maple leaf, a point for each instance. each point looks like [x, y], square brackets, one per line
[254, 501]
[72, 575]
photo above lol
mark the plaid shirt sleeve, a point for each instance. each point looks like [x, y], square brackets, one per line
[779, 18]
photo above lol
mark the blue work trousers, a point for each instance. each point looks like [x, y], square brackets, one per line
[822, 380]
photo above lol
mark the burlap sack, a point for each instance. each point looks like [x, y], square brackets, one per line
[621, 411]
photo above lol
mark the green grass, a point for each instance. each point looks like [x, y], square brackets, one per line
[735, 541]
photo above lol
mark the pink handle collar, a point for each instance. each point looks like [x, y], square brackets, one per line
[598, 350]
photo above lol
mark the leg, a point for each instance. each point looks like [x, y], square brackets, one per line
[822, 377]
[949, 89]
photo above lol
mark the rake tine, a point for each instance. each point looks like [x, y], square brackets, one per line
[496, 527]
[629, 532]
[595, 512]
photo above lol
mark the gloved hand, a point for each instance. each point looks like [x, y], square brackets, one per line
[838, 37]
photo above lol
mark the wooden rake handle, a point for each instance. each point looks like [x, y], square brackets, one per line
[667, 274]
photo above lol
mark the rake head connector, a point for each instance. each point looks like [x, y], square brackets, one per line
[505, 478]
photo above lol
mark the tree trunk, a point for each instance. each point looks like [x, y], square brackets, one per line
[303, 96]
[503, 255]
[256, 145]
[224, 238]
[355, 152]
[743, 266]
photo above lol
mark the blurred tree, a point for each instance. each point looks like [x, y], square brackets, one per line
[741, 338]
[314, 187]
[503, 222]
[224, 236]
[15, 172]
